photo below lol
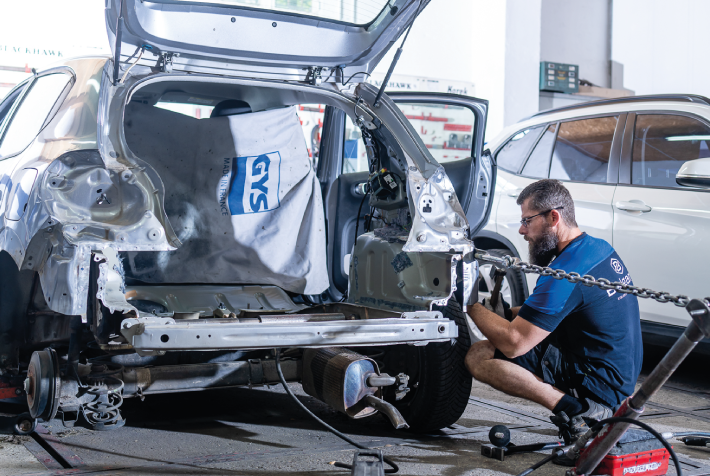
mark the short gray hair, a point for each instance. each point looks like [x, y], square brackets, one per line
[548, 194]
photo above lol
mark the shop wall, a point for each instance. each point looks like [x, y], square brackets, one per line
[663, 45]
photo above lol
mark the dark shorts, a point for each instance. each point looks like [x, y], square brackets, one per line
[547, 362]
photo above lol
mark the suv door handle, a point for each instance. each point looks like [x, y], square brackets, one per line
[513, 193]
[633, 206]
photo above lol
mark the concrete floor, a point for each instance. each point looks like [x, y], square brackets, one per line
[262, 432]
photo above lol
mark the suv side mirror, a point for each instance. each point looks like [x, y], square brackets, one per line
[694, 173]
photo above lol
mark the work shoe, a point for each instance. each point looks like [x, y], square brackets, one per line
[572, 428]
[563, 460]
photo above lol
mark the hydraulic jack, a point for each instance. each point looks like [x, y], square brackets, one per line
[592, 447]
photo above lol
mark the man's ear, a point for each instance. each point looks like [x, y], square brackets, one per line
[556, 217]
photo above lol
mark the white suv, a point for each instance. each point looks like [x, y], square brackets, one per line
[620, 159]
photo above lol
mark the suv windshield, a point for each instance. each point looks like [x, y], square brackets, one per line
[356, 12]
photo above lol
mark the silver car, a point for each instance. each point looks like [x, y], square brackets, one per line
[144, 251]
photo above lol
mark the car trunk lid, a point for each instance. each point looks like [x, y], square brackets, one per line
[279, 39]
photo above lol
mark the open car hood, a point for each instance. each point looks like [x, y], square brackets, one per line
[279, 39]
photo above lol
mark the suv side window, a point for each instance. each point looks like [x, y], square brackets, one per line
[582, 149]
[662, 142]
[511, 156]
[9, 101]
[539, 162]
[32, 113]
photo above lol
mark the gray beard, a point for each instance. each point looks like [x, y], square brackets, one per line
[544, 249]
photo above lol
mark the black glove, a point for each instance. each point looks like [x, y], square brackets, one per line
[502, 308]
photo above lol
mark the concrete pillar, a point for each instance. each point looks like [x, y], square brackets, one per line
[579, 32]
[506, 56]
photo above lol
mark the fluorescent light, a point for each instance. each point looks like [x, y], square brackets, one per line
[680, 138]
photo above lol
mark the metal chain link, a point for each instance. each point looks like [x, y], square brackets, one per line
[587, 280]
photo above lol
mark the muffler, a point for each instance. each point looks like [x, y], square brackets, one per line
[349, 382]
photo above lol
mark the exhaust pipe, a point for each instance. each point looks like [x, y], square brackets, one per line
[348, 382]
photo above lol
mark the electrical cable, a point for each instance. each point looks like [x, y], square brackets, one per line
[357, 220]
[353, 75]
[123, 79]
[598, 426]
[131, 67]
[340, 435]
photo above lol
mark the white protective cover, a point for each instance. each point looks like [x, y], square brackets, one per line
[240, 193]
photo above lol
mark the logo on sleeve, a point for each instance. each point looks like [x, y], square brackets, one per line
[255, 184]
[617, 266]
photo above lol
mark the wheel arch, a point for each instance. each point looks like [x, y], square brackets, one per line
[16, 288]
[488, 240]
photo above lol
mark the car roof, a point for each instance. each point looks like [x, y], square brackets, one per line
[682, 102]
[693, 98]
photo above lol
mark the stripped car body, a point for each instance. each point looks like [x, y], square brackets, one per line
[79, 201]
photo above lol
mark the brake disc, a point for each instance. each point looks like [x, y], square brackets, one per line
[43, 384]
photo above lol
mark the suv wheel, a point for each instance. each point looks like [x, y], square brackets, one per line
[439, 382]
[512, 290]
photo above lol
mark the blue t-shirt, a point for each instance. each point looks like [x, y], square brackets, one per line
[598, 331]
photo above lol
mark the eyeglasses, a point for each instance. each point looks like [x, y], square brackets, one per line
[526, 221]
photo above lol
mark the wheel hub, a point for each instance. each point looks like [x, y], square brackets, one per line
[43, 384]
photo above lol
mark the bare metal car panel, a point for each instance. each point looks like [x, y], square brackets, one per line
[65, 209]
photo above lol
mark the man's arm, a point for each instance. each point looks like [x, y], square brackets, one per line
[512, 338]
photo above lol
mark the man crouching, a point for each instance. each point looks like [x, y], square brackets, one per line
[574, 349]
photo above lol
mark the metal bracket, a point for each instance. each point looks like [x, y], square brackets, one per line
[110, 282]
[153, 334]
[166, 61]
[313, 77]
[700, 313]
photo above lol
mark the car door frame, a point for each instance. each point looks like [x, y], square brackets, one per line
[479, 107]
[331, 156]
[659, 333]
[612, 170]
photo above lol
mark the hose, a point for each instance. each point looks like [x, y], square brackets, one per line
[546, 460]
[340, 435]
[598, 426]
[669, 448]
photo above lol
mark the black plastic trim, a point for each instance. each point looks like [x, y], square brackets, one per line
[479, 108]
[612, 174]
[655, 333]
[625, 158]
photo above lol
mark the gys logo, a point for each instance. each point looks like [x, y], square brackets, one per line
[254, 185]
